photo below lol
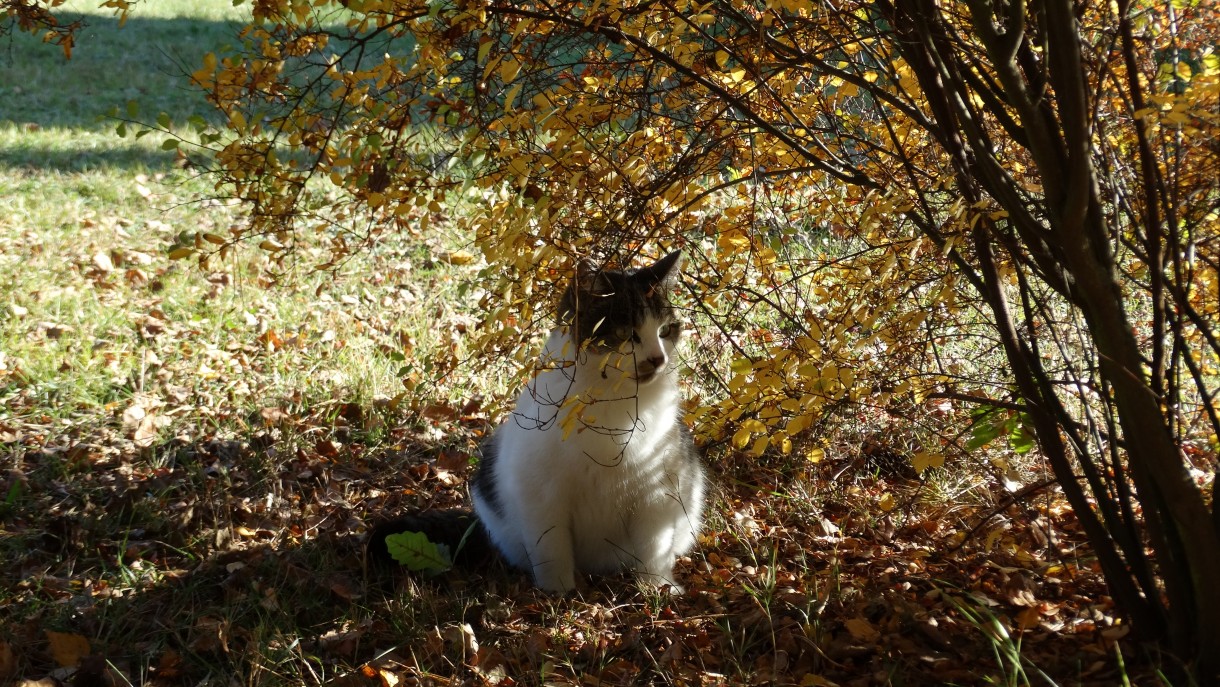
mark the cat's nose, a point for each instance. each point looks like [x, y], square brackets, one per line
[656, 362]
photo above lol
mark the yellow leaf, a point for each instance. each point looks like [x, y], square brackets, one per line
[741, 438]
[925, 459]
[847, 377]
[518, 166]
[509, 69]
[760, 445]
[180, 253]
[887, 502]
[733, 242]
[511, 97]
[457, 257]
[816, 455]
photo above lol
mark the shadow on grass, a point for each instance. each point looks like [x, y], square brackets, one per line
[52, 107]
[40, 154]
[147, 60]
[55, 109]
[225, 560]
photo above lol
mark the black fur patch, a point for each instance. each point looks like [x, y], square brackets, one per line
[605, 307]
[485, 482]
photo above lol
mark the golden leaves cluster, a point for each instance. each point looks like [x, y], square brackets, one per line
[775, 140]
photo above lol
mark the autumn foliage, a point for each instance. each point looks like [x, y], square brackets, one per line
[1007, 206]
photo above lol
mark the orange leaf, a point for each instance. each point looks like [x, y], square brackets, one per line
[66, 648]
[1029, 618]
[862, 630]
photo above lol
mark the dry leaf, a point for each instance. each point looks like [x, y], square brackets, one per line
[862, 630]
[439, 412]
[66, 648]
[103, 262]
[145, 434]
[457, 257]
[1029, 618]
[273, 417]
[8, 663]
[453, 461]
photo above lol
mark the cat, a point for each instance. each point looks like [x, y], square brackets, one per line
[594, 472]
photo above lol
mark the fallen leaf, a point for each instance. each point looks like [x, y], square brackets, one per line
[457, 257]
[862, 630]
[454, 461]
[1029, 618]
[273, 417]
[343, 588]
[925, 459]
[439, 412]
[103, 262]
[336, 643]
[169, 666]
[462, 634]
[66, 648]
[145, 434]
[8, 663]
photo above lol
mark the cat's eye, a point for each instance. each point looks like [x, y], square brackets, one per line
[624, 333]
[668, 329]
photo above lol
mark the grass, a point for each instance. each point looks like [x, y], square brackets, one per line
[190, 456]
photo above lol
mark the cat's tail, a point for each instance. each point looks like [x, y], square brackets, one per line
[458, 529]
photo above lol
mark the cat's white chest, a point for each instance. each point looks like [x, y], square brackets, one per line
[613, 488]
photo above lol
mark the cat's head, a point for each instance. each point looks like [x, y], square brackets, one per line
[624, 317]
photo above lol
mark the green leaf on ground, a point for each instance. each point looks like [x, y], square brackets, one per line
[413, 550]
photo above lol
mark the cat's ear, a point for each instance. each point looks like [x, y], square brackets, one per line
[663, 273]
[590, 278]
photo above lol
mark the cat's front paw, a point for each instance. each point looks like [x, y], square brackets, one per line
[556, 584]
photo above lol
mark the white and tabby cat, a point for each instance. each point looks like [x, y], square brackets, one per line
[594, 472]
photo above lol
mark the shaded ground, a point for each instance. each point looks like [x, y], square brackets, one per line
[238, 561]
